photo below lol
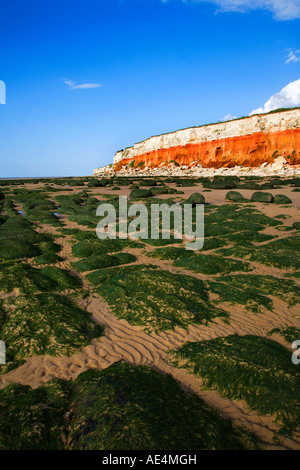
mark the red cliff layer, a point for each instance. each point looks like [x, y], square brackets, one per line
[248, 150]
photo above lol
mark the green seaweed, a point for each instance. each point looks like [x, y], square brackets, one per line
[45, 324]
[19, 240]
[228, 292]
[211, 264]
[103, 261]
[33, 419]
[123, 407]
[256, 370]
[129, 408]
[170, 252]
[281, 253]
[290, 333]
[154, 298]
[61, 278]
[285, 289]
[48, 258]
[93, 247]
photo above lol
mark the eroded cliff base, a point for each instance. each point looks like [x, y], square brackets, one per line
[279, 167]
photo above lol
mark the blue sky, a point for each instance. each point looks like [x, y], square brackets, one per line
[85, 78]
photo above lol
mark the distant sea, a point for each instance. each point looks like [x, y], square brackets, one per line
[39, 177]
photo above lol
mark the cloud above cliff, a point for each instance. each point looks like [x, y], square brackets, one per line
[288, 97]
[83, 86]
[229, 117]
[280, 9]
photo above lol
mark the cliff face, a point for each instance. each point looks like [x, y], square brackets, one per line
[245, 142]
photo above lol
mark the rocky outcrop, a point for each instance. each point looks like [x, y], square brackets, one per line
[247, 142]
[104, 170]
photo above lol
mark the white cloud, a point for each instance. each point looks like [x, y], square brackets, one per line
[280, 9]
[83, 86]
[292, 57]
[288, 97]
[228, 117]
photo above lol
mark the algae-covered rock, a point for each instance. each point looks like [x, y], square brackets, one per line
[148, 182]
[281, 199]
[222, 184]
[140, 193]
[159, 190]
[261, 197]
[296, 225]
[196, 198]
[235, 196]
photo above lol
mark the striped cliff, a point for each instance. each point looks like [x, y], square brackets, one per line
[247, 142]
